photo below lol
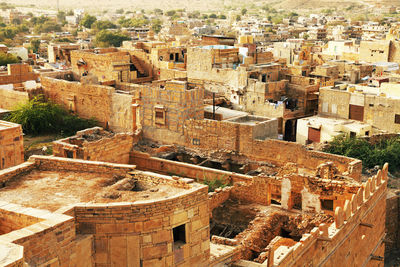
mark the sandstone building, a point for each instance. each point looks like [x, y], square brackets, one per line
[11, 144]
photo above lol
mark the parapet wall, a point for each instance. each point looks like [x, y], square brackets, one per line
[354, 239]
[144, 161]
[49, 239]
[65, 164]
[113, 148]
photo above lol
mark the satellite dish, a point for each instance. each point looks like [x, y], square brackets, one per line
[160, 58]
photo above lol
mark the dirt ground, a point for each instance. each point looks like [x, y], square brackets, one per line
[39, 145]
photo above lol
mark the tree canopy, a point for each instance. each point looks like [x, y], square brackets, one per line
[106, 38]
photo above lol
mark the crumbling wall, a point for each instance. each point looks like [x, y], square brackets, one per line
[355, 238]
[108, 148]
[209, 135]
[144, 161]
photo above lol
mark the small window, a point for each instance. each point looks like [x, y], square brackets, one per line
[179, 233]
[397, 119]
[159, 114]
[367, 133]
[352, 134]
[196, 141]
[327, 204]
[264, 78]
[70, 154]
[171, 56]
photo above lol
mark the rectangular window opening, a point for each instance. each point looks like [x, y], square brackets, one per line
[159, 114]
[327, 204]
[397, 118]
[179, 234]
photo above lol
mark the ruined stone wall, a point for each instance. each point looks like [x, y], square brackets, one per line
[11, 98]
[211, 135]
[108, 149]
[11, 144]
[64, 164]
[141, 233]
[143, 161]
[86, 100]
[353, 239]
[281, 152]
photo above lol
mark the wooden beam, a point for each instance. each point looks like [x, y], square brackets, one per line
[377, 258]
[366, 224]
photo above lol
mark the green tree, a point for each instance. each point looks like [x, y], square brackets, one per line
[35, 44]
[48, 26]
[105, 38]
[103, 25]
[38, 117]
[156, 25]
[370, 154]
[88, 21]
[61, 16]
[119, 11]
[6, 58]
[170, 13]
[222, 16]
[158, 11]
[238, 18]
[244, 11]
[213, 16]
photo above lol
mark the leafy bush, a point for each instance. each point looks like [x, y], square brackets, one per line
[6, 58]
[370, 154]
[40, 117]
[215, 183]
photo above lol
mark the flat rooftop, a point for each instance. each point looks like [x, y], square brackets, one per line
[7, 125]
[53, 189]
[226, 113]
